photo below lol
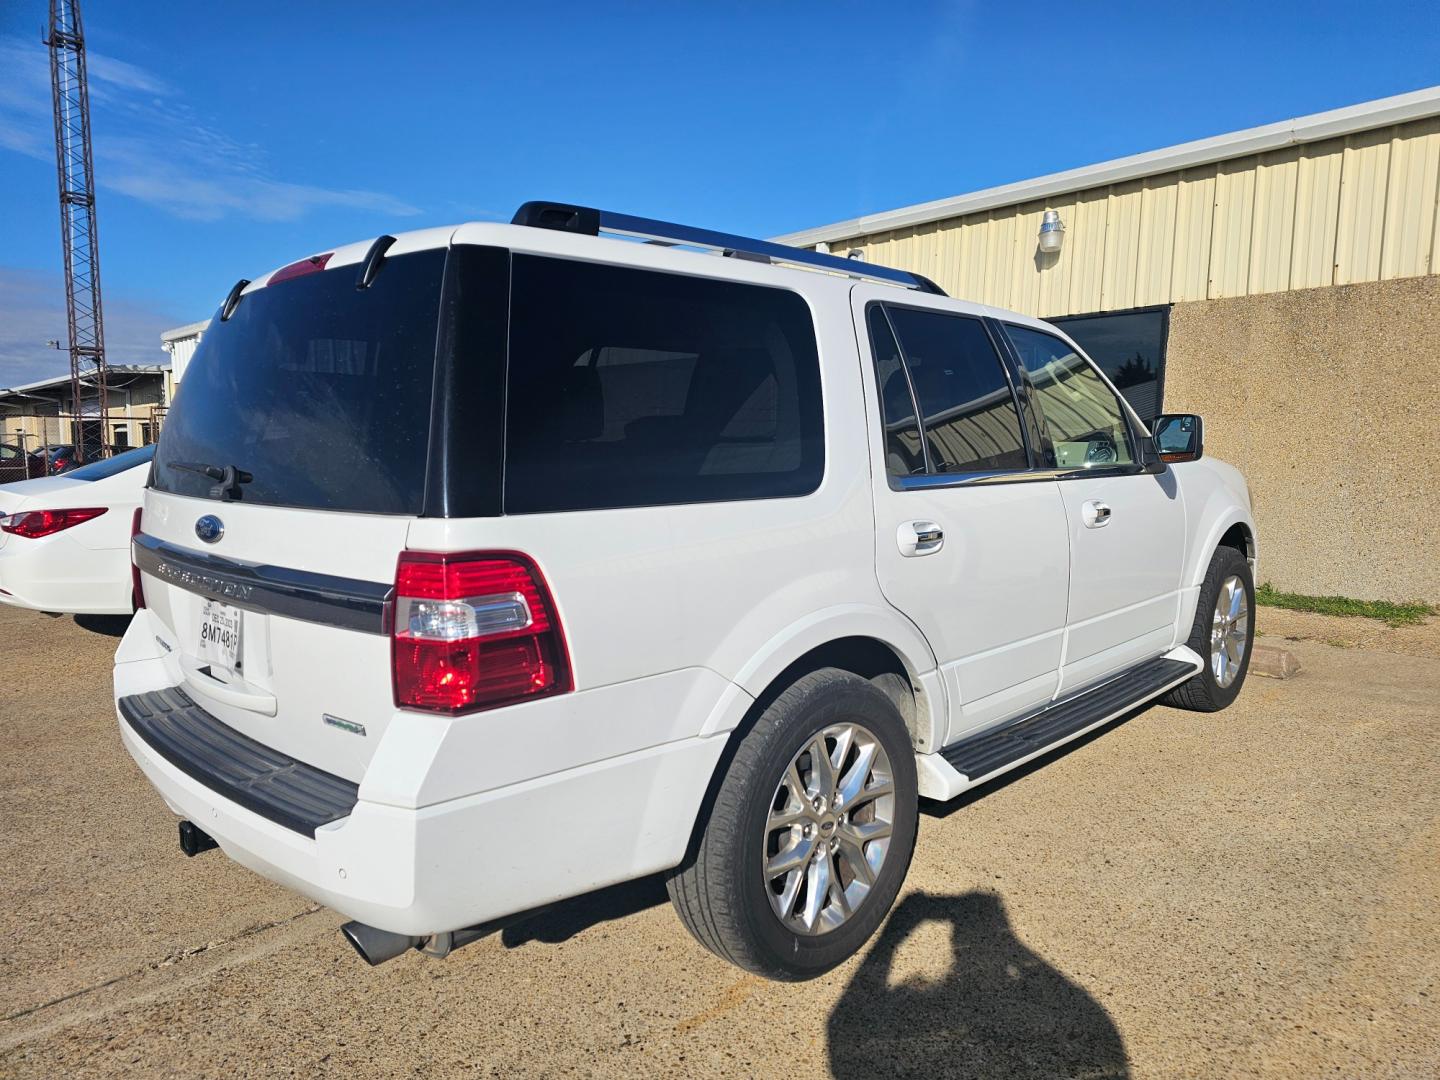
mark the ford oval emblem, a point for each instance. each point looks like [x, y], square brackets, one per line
[210, 529]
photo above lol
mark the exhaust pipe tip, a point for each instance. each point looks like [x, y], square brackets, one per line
[376, 946]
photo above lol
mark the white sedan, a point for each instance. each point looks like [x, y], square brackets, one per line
[65, 540]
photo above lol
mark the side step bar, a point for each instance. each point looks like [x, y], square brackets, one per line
[975, 759]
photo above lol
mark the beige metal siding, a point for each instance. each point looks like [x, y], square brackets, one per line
[1362, 207]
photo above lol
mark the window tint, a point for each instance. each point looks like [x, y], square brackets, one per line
[1130, 349]
[103, 470]
[1083, 416]
[903, 456]
[8, 453]
[966, 406]
[634, 388]
[319, 390]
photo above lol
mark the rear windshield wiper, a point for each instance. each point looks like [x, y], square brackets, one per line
[230, 478]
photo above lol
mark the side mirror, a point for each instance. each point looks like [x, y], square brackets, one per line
[1179, 437]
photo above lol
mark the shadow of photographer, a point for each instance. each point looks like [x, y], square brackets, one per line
[999, 1011]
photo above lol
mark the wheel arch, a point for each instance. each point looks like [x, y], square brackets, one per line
[868, 641]
[1231, 529]
[880, 657]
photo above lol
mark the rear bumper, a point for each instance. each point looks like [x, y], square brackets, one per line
[57, 574]
[464, 860]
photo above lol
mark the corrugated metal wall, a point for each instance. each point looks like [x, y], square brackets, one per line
[1358, 208]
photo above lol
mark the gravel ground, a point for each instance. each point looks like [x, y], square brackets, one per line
[1255, 893]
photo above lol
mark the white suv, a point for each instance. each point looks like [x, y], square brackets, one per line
[486, 566]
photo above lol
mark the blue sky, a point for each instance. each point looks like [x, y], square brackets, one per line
[232, 138]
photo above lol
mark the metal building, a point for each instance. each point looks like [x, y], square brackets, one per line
[1282, 281]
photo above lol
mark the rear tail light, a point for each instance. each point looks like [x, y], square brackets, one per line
[474, 631]
[311, 265]
[137, 584]
[33, 524]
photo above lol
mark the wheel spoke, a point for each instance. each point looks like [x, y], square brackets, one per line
[844, 739]
[869, 794]
[853, 852]
[791, 858]
[817, 891]
[785, 902]
[822, 769]
[783, 819]
[1237, 598]
[838, 890]
[854, 780]
[862, 832]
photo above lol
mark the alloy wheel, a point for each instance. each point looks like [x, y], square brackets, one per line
[1229, 631]
[828, 830]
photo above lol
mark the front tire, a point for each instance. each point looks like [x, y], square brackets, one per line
[810, 834]
[1223, 635]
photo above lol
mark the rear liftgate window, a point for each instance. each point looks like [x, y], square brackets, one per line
[634, 388]
[318, 390]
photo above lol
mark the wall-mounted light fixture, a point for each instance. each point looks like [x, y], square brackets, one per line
[856, 254]
[1052, 232]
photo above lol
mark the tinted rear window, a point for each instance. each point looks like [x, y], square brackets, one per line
[635, 388]
[319, 390]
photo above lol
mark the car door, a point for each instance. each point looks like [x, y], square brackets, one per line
[970, 543]
[1126, 526]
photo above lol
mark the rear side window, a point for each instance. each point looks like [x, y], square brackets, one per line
[903, 456]
[634, 388]
[967, 408]
[317, 389]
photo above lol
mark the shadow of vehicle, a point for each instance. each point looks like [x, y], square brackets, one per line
[106, 625]
[564, 920]
[999, 1011]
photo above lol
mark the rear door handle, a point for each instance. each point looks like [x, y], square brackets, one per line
[1095, 514]
[919, 538]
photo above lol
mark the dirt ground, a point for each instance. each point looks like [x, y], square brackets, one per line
[1254, 893]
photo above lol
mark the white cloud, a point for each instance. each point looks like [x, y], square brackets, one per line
[151, 145]
[32, 312]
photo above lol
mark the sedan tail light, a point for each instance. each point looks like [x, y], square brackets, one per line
[474, 631]
[33, 524]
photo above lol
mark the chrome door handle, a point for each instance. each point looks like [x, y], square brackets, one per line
[919, 538]
[1095, 514]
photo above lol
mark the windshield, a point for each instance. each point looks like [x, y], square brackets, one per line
[103, 470]
[315, 392]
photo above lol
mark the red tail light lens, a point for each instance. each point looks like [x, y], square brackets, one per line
[475, 631]
[296, 269]
[33, 524]
[137, 584]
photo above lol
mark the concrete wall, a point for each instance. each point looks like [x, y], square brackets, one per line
[1329, 400]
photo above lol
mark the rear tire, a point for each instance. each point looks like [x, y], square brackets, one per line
[1216, 626]
[737, 892]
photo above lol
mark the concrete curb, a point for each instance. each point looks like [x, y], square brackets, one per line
[1273, 662]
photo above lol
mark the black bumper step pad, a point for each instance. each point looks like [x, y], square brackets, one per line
[994, 749]
[271, 784]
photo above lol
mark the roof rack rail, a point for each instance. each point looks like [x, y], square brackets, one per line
[591, 222]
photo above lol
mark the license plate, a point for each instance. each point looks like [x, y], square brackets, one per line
[219, 635]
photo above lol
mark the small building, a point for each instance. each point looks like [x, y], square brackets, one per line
[181, 344]
[1283, 281]
[43, 413]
